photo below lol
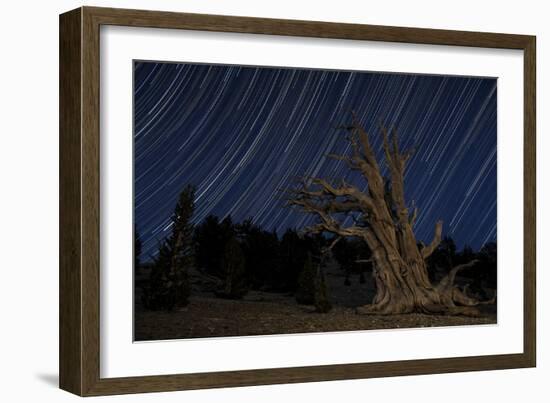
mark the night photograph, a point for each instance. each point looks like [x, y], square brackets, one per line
[275, 200]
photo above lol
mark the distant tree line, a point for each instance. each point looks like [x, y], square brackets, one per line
[247, 257]
[270, 263]
[243, 257]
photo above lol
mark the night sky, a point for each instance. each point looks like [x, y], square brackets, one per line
[241, 134]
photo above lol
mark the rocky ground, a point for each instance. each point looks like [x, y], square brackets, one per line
[215, 317]
[263, 313]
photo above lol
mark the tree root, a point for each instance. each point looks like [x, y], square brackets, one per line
[445, 299]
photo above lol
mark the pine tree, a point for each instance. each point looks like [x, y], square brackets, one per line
[321, 298]
[157, 291]
[210, 238]
[305, 294]
[261, 251]
[169, 285]
[234, 285]
[293, 253]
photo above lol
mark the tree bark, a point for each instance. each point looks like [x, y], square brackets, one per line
[383, 220]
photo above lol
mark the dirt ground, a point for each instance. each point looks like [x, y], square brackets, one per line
[265, 313]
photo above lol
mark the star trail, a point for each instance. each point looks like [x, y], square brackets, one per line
[241, 134]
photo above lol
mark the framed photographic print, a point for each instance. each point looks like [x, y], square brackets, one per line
[250, 201]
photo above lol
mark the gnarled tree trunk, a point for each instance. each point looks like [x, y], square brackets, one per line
[384, 221]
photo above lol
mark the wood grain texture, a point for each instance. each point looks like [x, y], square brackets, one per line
[70, 314]
[316, 29]
[530, 202]
[90, 202]
[80, 196]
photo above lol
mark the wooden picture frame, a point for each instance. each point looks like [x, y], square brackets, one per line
[79, 346]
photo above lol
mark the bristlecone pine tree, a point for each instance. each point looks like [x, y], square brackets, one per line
[382, 219]
[312, 287]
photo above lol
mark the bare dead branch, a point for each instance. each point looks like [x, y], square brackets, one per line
[447, 282]
[428, 250]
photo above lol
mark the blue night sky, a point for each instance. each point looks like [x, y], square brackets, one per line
[241, 134]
